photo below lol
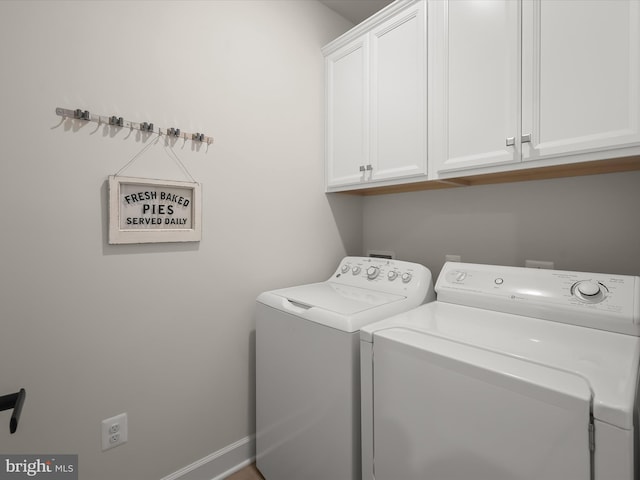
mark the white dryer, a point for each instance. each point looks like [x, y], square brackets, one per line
[512, 374]
[308, 365]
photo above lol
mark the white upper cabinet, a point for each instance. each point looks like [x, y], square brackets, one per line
[518, 84]
[475, 94]
[581, 89]
[398, 96]
[376, 100]
[347, 110]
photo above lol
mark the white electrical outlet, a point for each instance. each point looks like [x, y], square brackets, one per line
[114, 431]
[452, 258]
[538, 264]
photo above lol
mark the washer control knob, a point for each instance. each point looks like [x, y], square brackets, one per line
[372, 272]
[406, 277]
[345, 268]
[356, 270]
[392, 275]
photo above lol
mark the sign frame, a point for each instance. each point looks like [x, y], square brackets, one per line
[158, 201]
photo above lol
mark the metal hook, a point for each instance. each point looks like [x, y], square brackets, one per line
[118, 121]
[80, 115]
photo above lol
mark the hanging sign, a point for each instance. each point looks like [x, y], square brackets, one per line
[143, 210]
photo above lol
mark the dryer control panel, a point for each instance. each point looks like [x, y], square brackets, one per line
[603, 301]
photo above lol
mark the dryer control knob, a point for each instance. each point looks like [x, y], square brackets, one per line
[589, 291]
[588, 287]
[345, 268]
[356, 270]
[392, 275]
[406, 277]
[372, 272]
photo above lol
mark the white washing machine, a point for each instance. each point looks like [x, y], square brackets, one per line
[512, 374]
[308, 365]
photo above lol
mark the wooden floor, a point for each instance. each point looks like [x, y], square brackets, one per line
[247, 473]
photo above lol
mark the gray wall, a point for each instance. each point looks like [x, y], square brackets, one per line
[163, 332]
[587, 224]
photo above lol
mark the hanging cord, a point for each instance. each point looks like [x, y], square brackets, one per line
[137, 155]
[170, 153]
[174, 156]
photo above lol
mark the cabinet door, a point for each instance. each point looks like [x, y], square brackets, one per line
[398, 96]
[581, 88]
[347, 114]
[475, 79]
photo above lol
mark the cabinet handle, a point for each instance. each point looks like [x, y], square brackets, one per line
[369, 167]
[511, 141]
[362, 168]
[526, 138]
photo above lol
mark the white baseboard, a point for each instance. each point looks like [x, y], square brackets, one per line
[219, 465]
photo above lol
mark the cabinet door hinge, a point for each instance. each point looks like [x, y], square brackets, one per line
[592, 437]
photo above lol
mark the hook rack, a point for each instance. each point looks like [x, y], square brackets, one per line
[15, 401]
[79, 114]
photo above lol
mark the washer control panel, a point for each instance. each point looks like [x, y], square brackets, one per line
[608, 302]
[381, 274]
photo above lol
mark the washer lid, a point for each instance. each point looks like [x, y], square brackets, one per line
[337, 298]
[607, 361]
[338, 306]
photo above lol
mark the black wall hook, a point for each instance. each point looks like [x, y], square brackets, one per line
[15, 401]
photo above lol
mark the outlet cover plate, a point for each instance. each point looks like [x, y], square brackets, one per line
[114, 431]
[538, 264]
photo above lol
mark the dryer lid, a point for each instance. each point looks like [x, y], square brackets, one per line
[474, 413]
[607, 361]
